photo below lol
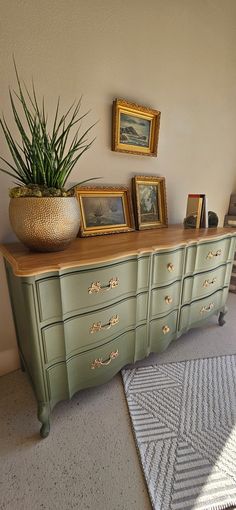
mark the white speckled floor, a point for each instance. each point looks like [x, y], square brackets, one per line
[89, 461]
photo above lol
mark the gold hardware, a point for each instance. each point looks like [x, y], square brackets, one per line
[100, 363]
[170, 267]
[166, 329]
[168, 300]
[207, 308]
[212, 254]
[209, 282]
[97, 286]
[97, 326]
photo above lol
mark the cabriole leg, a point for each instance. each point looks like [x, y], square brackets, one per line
[223, 312]
[43, 417]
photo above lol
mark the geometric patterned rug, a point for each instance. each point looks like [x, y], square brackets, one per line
[184, 421]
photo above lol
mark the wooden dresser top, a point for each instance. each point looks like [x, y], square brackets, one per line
[85, 251]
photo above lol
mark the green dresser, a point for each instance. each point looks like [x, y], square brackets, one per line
[83, 314]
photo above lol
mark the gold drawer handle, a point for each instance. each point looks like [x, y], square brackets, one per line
[207, 308]
[170, 267]
[97, 326]
[100, 363]
[213, 254]
[209, 282]
[168, 300]
[97, 286]
[165, 329]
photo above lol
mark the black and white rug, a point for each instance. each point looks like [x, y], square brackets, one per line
[184, 421]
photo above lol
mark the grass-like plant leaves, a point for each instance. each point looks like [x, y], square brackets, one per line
[39, 157]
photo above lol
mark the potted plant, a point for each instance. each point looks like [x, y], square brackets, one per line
[43, 213]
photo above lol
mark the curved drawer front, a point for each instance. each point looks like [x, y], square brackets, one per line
[82, 290]
[83, 332]
[167, 267]
[162, 331]
[165, 299]
[90, 368]
[204, 284]
[202, 309]
[207, 255]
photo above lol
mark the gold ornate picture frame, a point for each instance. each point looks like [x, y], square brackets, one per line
[150, 205]
[104, 210]
[135, 128]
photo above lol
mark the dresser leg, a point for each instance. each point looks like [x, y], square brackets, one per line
[43, 417]
[223, 312]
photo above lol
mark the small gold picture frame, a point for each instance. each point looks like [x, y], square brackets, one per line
[150, 202]
[104, 210]
[135, 128]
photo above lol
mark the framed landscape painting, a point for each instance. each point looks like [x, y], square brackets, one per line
[135, 128]
[104, 210]
[150, 202]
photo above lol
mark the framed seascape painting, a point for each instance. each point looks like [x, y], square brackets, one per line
[104, 210]
[135, 128]
[150, 202]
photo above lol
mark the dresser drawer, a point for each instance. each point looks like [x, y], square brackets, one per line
[167, 267]
[82, 290]
[162, 331]
[165, 299]
[204, 284]
[63, 339]
[202, 309]
[207, 255]
[90, 368]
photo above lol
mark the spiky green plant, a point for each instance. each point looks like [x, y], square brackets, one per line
[43, 160]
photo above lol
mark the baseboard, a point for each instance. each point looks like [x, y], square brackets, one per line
[9, 361]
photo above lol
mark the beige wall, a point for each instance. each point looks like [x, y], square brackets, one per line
[178, 56]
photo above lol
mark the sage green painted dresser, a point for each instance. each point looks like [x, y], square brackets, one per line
[82, 314]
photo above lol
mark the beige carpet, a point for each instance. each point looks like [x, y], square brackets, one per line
[89, 461]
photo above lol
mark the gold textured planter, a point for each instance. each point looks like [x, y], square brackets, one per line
[45, 224]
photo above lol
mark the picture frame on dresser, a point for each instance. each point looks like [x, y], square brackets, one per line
[104, 210]
[150, 206]
[232, 205]
[135, 128]
[230, 221]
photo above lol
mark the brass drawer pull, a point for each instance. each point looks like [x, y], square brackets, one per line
[98, 326]
[207, 308]
[168, 300]
[97, 286]
[165, 329]
[213, 254]
[170, 267]
[97, 363]
[209, 282]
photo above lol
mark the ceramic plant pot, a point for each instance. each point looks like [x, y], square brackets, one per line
[45, 223]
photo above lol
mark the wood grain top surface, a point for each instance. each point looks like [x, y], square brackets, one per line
[86, 251]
